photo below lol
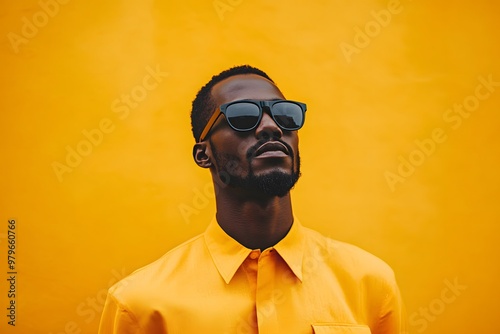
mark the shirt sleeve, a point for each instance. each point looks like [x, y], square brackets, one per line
[392, 319]
[116, 319]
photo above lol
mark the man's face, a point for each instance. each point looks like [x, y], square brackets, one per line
[264, 160]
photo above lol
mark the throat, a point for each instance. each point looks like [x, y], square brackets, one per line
[255, 224]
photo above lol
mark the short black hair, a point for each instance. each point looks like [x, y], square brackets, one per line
[204, 105]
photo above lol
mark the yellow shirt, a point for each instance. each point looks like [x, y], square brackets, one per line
[306, 283]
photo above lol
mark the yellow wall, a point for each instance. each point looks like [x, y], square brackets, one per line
[67, 67]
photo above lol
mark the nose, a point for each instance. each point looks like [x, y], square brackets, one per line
[268, 128]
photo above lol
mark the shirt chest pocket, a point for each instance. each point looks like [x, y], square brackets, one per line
[340, 329]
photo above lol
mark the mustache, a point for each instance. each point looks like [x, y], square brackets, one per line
[251, 151]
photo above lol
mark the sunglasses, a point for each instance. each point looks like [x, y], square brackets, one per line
[245, 115]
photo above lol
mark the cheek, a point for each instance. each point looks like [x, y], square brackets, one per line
[233, 144]
[241, 149]
[230, 154]
[294, 143]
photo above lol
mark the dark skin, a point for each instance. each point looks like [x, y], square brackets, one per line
[254, 219]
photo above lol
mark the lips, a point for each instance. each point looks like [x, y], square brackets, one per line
[272, 148]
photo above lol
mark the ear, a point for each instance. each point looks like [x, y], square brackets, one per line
[200, 155]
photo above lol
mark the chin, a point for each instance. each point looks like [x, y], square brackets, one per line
[274, 183]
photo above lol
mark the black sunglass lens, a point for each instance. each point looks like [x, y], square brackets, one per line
[288, 115]
[242, 116]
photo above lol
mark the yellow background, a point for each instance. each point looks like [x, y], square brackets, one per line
[138, 192]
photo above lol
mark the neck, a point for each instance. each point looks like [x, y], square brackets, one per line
[254, 220]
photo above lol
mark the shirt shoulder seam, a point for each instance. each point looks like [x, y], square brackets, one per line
[123, 307]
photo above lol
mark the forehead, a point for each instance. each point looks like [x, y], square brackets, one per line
[245, 86]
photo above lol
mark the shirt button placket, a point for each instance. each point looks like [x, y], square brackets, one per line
[254, 254]
[249, 324]
[266, 308]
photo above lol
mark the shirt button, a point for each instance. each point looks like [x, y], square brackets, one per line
[254, 254]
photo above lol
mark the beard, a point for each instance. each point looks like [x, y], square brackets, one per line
[274, 183]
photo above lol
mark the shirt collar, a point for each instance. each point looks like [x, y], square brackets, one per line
[291, 248]
[228, 254]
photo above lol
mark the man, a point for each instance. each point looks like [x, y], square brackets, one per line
[256, 269]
